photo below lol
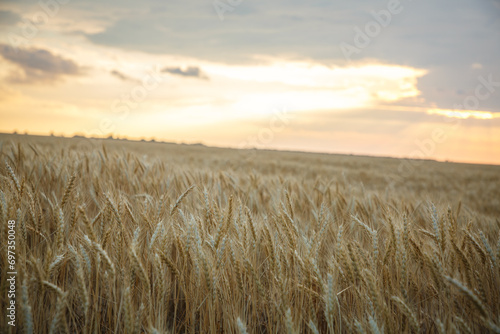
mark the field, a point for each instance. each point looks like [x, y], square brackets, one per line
[130, 237]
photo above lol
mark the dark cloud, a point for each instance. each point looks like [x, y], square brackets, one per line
[8, 18]
[193, 72]
[445, 37]
[421, 34]
[123, 77]
[38, 65]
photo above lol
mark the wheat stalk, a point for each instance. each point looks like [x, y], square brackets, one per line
[179, 200]
[408, 312]
[69, 188]
[470, 295]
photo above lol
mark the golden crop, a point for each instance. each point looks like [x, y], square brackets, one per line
[130, 237]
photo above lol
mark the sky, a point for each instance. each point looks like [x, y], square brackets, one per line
[413, 79]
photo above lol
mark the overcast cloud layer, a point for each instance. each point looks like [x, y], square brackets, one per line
[456, 40]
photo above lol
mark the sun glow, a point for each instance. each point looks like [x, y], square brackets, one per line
[464, 114]
[303, 86]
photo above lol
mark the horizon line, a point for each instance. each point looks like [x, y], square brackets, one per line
[163, 141]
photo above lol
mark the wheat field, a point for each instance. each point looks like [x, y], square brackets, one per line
[118, 236]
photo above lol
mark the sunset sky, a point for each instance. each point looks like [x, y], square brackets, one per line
[405, 78]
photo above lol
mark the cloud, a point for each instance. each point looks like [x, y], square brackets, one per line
[456, 34]
[443, 37]
[38, 65]
[123, 76]
[192, 71]
[8, 18]
[313, 30]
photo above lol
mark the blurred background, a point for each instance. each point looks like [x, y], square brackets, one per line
[418, 79]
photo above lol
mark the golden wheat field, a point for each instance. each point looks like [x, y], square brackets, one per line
[118, 236]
